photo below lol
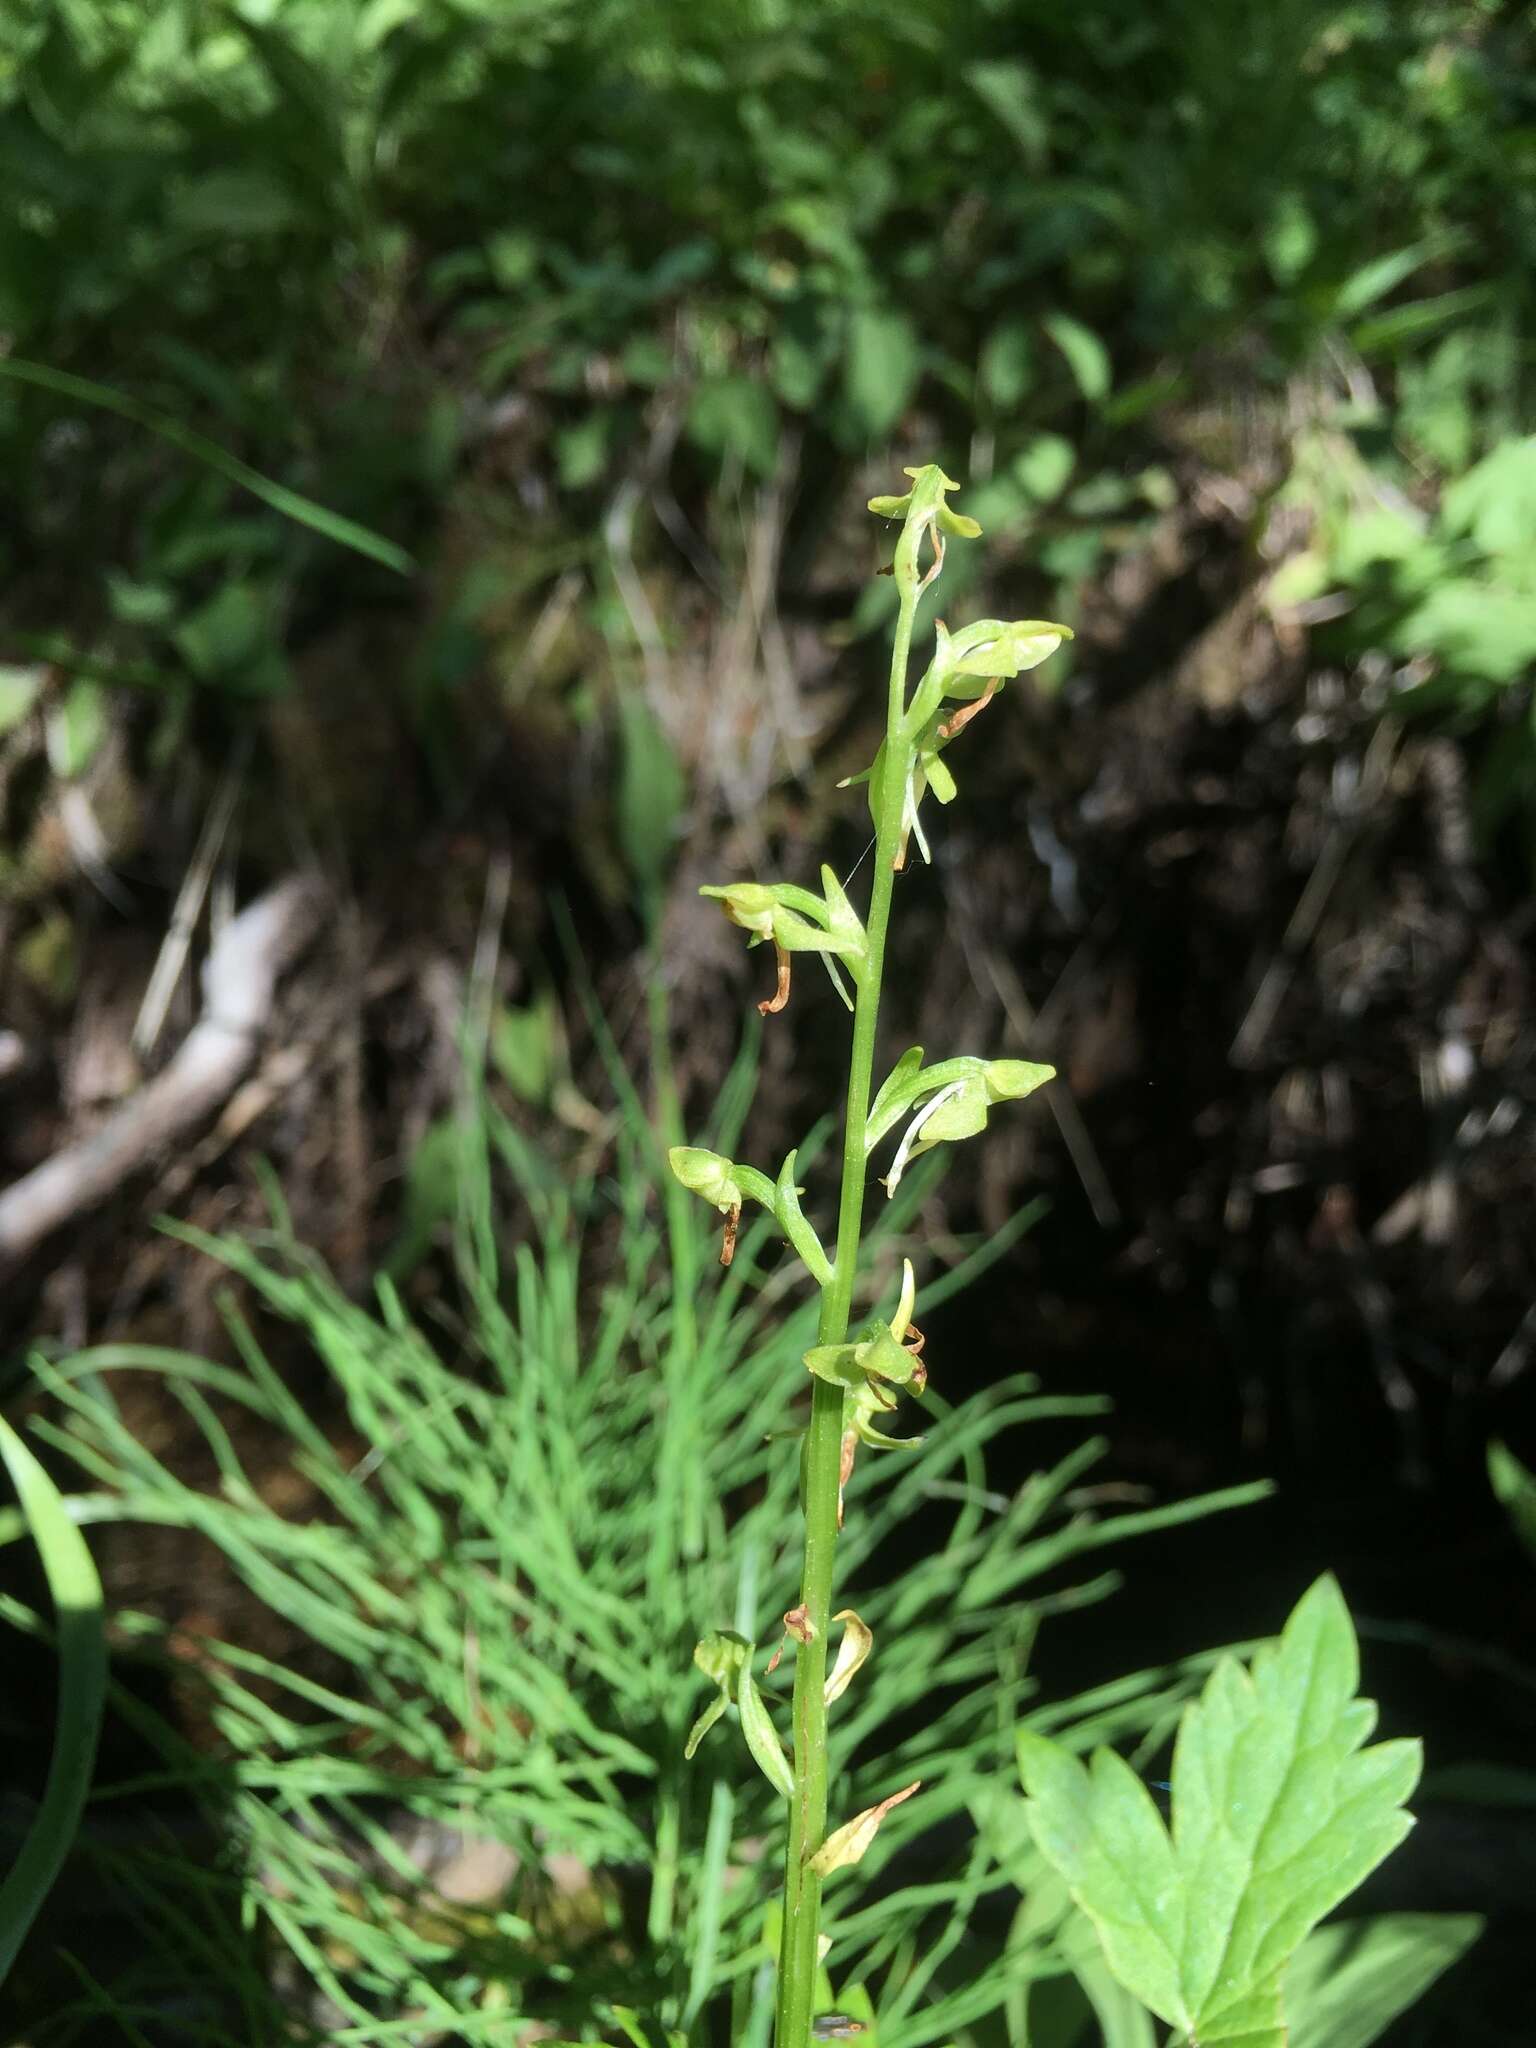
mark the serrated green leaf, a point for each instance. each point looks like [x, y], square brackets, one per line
[1278, 1814]
[1349, 1981]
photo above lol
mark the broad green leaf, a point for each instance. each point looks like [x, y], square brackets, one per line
[1290, 240]
[736, 416]
[880, 370]
[345, 532]
[1350, 1980]
[1495, 502]
[77, 728]
[1087, 357]
[1044, 465]
[1514, 1487]
[1479, 628]
[76, 1594]
[19, 688]
[1005, 367]
[1278, 1814]
[223, 637]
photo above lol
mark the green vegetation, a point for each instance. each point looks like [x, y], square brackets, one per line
[82, 1649]
[394, 251]
[501, 1589]
[385, 382]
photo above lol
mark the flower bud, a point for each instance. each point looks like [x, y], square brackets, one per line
[707, 1174]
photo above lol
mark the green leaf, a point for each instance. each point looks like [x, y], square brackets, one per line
[651, 795]
[581, 449]
[1044, 466]
[76, 1594]
[223, 638]
[1383, 274]
[1476, 627]
[304, 511]
[1012, 92]
[1514, 1487]
[1495, 502]
[77, 728]
[880, 370]
[1087, 357]
[19, 689]
[722, 1655]
[736, 416]
[524, 1046]
[1350, 1980]
[1007, 358]
[1278, 1814]
[1290, 240]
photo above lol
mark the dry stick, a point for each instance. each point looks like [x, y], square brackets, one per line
[239, 982]
[188, 909]
[1308, 914]
[1026, 1023]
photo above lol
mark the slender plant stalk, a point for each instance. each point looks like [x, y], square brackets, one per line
[798, 1959]
[854, 1382]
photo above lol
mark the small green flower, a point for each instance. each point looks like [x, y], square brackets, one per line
[925, 515]
[797, 921]
[882, 1356]
[959, 1110]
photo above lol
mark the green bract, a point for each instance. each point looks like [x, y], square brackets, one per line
[726, 1657]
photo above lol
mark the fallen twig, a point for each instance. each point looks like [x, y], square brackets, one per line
[239, 981]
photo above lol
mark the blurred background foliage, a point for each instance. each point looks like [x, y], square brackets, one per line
[447, 266]
[584, 328]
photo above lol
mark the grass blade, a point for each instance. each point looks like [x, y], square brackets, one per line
[291, 504]
[82, 1641]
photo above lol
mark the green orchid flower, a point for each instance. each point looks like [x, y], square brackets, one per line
[927, 518]
[797, 921]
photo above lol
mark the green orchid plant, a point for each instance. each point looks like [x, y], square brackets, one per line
[856, 1380]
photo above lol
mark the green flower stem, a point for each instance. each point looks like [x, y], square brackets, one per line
[798, 1959]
